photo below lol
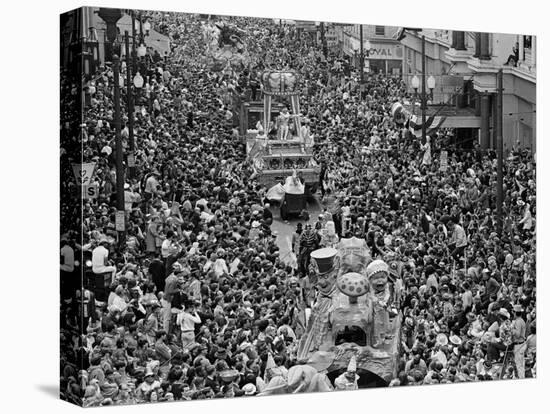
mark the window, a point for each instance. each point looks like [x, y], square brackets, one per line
[527, 47]
[527, 42]
[379, 30]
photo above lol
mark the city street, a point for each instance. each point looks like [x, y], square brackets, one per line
[424, 272]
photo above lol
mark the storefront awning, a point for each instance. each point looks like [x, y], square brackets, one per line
[462, 122]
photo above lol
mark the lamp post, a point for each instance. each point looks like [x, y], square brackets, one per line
[361, 55]
[367, 47]
[138, 82]
[141, 53]
[134, 53]
[423, 107]
[415, 83]
[110, 17]
[147, 27]
[431, 86]
[500, 152]
[119, 154]
[141, 39]
[130, 158]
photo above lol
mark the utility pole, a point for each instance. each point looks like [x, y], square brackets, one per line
[423, 89]
[361, 55]
[119, 154]
[130, 107]
[500, 152]
[134, 53]
[324, 39]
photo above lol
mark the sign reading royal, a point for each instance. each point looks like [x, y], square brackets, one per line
[385, 51]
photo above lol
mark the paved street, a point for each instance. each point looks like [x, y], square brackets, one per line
[286, 228]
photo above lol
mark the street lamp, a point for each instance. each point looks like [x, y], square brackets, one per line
[147, 27]
[119, 150]
[141, 50]
[355, 48]
[130, 157]
[415, 83]
[431, 86]
[362, 56]
[138, 81]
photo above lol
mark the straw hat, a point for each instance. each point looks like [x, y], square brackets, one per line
[442, 339]
[249, 389]
[455, 340]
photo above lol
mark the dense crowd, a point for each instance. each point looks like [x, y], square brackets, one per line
[200, 303]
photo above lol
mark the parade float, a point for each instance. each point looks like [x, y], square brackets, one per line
[278, 146]
[226, 50]
[355, 314]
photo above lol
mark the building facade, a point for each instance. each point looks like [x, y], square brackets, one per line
[382, 52]
[480, 56]
[87, 31]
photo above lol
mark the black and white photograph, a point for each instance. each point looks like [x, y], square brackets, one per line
[260, 206]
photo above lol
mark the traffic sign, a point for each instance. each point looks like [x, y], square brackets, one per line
[119, 221]
[90, 191]
[84, 172]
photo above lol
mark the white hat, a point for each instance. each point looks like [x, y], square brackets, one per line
[249, 389]
[377, 266]
[442, 339]
[455, 340]
[255, 224]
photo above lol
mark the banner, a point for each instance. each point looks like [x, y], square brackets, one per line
[432, 124]
[84, 172]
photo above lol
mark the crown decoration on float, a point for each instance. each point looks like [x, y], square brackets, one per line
[280, 83]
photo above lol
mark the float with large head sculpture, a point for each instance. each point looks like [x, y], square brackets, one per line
[354, 315]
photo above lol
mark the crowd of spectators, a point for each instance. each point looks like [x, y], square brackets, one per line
[201, 305]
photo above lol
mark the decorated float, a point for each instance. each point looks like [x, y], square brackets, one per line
[355, 315]
[226, 50]
[279, 147]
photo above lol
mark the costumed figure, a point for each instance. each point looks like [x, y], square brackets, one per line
[348, 380]
[308, 243]
[381, 298]
[318, 330]
[427, 148]
[283, 123]
[293, 185]
[329, 238]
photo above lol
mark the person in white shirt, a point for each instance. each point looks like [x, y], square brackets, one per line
[67, 257]
[459, 240]
[69, 283]
[170, 245]
[151, 186]
[130, 197]
[186, 321]
[100, 256]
